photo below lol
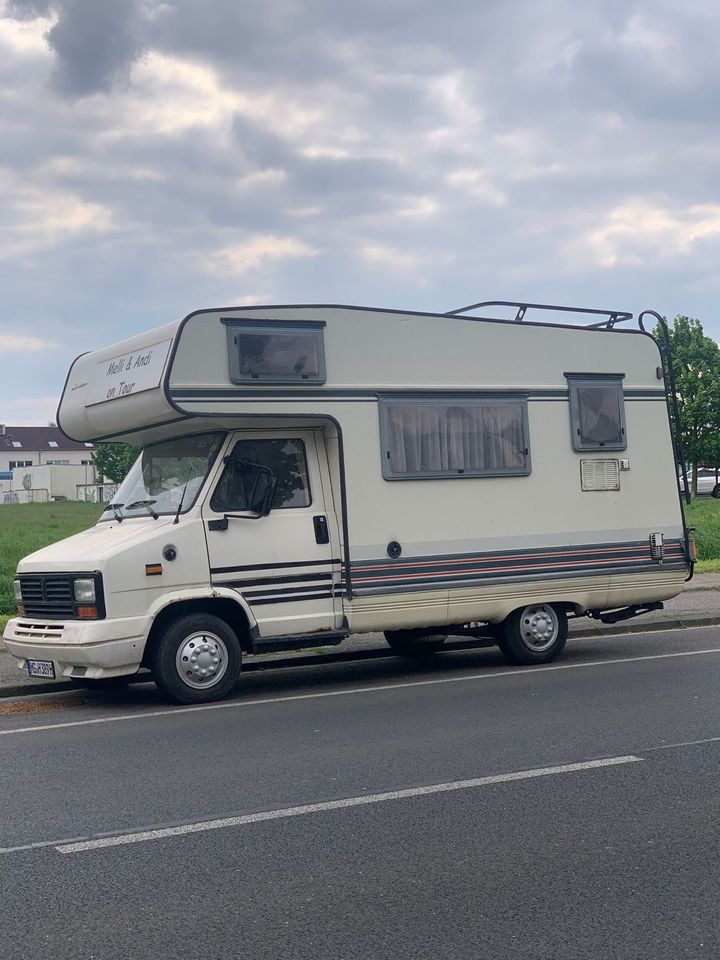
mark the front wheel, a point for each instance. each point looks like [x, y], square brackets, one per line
[197, 659]
[534, 634]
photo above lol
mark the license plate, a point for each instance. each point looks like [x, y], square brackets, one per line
[41, 668]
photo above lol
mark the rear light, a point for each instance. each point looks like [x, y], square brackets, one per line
[656, 546]
[692, 550]
[87, 613]
[21, 610]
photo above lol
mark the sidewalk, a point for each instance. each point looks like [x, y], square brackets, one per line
[698, 605]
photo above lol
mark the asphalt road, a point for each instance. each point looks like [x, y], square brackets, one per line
[454, 808]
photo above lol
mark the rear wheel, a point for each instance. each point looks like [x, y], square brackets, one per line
[414, 643]
[197, 659]
[534, 634]
[716, 491]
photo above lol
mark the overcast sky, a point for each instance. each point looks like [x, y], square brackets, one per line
[158, 157]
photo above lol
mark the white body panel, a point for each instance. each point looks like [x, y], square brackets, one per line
[473, 548]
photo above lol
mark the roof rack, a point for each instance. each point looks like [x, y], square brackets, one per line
[611, 316]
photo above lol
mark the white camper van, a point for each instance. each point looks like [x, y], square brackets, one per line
[313, 471]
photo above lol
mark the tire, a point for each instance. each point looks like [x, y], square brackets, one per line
[716, 492]
[179, 676]
[413, 643]
[534, 634]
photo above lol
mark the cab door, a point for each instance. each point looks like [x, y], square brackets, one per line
[286, 564]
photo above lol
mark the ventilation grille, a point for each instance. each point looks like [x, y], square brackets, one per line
[600, 474]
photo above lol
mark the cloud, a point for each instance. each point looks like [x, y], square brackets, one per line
[397, 260]
[240, 258]
[21, 343]
[477, 183]
[28, 9]
[26, 36]
[155, 152]
[639, 233]
[94, 42]
[37, 218]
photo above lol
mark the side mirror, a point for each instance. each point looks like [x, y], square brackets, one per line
[263, 494]
[260, 485]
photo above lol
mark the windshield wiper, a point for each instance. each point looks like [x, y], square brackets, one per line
[115, 507]
[144, 503]
[182, 497]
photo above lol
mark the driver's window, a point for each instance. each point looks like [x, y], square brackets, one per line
[284, 458]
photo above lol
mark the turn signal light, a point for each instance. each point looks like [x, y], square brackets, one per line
[21, 610]
[87, 613]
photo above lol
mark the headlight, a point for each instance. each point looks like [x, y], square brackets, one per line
[18, 591]
[85, 591]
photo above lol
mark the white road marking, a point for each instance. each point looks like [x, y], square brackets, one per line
[379, 688]
[181, 830]
[684, 743]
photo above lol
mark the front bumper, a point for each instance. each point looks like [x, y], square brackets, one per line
[94, 649]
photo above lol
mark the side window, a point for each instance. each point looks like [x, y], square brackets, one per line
[597, 412]
[276, 352]
[285, 458]
[447, 437]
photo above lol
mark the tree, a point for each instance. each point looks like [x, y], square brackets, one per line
[696, 364]
[113, 460]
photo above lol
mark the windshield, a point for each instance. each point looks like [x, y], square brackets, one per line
[161, 473]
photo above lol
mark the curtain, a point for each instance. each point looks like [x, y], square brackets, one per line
[473, 437]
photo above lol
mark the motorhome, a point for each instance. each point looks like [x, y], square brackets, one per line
[308, 472]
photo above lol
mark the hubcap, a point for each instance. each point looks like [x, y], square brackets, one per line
[539, 627]
[201, 660]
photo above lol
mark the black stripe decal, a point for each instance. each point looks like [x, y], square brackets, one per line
[569, 552]
[481, 577]
[268, 581]
[272, 566]
[313, 393]
[457, 568]
[306, 596]
[548, 562]
[289, 591]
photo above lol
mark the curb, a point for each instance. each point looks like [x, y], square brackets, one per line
[677, 623]
[300, 660]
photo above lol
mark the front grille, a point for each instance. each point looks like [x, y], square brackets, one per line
[52, 595]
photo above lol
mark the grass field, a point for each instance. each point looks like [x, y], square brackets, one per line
[25, 528]
[704, 514]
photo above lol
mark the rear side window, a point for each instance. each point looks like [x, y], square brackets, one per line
[285, 458]
[452, 437]
[276, 352]
[597, 412]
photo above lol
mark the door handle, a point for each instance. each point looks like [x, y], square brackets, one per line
[322, 534]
